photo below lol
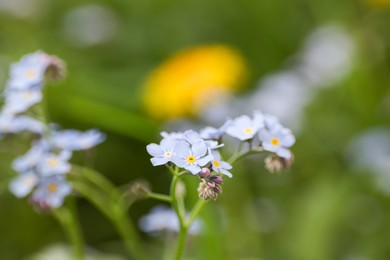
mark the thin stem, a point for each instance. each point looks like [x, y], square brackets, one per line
[160, 197]
[181, 242]
[109, 201]
[234, 158]
[195, 211]
[175, 203]
[68, 220]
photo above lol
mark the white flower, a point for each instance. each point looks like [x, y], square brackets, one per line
[76, 140]
[245, 128]
[162, 153]
[28, 72]
[277, 139]
[52, 163]
[191, 157]
[220, 166]
[22, 185]
[15, 124]
[19, 101]
[51, 192]
[215, 133]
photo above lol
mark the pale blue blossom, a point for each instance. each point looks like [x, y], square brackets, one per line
[162, 218]
[51, 192]
[163, 152]
[277, 140]
[244, 127]
[10, 124]
[52, 163]
[76, 140]
[19, 101]
[30, 160]
[178, 136]
[191, 157]
[28, 72]
[22, 185]
[220, 166]
[215, 133]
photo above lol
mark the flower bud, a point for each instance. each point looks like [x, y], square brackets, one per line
[275, 164]
[204, 173]
[56, 68]
[209, 190]
[140, 189]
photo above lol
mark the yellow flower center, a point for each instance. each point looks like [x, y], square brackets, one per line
[30, 73]
[191, 159]
[52, 162]
[275, 141]
[168, 154]
[248, 130]
[216, 164]
[52, 187]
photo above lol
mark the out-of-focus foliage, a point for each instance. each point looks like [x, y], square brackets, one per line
[326, 207]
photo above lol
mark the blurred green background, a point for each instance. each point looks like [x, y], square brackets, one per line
[323, 208]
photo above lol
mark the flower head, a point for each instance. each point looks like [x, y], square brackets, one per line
[244, 127]
[277, 140]
[51, 192]
[22, 185]
[52, 163]
[74, 140]
[215, 133]
[10, 124]
[220, 166]
[28, 72]
[191, 157]
[162, 153]
[21, 100]
[182, 85]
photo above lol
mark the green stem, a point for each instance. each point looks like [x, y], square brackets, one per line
[195, 211]
[160, 197]
[100, 192]
[181, 242]
[68, 220]
[239, 156]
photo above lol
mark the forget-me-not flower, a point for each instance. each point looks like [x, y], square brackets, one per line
[22, 185]
[215, 133]
[277, 140]
[73, 140]
[220, 166]
[51, 192]
[30, 160]
[19, 101]
[244, 127]
[191, 157]
[163, 152]
[10, 124]
[52, 163]
[28, 72]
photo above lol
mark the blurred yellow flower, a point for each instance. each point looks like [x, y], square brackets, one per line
[378, 3]
[191, 79]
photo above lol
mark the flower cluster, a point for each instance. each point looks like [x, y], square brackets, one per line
[197, 152]
[24, 90]
[44, 166]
